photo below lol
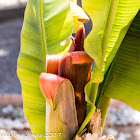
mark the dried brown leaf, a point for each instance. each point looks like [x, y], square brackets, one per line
[94, 129]
[95, 123]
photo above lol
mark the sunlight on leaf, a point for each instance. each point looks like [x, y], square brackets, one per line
[41, 34]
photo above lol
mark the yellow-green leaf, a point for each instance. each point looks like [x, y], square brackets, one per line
[46, 24]
[125, 69]
[79, 16]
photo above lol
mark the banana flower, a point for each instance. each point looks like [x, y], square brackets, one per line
[63, 87]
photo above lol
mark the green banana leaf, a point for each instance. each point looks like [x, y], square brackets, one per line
[111, 20]
[42, 33]
[123, 80]
[98, 12]
[58, 24]
[121, 22]
[79, 15]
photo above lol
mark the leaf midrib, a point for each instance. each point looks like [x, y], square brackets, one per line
[42, 31]
[108, 27]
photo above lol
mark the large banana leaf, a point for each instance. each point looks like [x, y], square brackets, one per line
[110, 25]
[123, 80]
[46, 24]
[126, 10]
[58, 23]
[123, 77]
[111, 20]
[98, 12]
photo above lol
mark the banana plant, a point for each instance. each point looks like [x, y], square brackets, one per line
[65, 79]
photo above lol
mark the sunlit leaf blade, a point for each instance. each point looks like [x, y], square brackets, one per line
[35, 41]
[78, 13]
[74, 1]
[98, 12]
[118, 21]
[115, 15]
[125, 12]
[123, 81]
[79, 16]
[31, 63]
[58, 23]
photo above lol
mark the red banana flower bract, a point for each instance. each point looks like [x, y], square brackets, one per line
[75, 66]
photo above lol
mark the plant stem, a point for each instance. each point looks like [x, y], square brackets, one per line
[103, 105]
